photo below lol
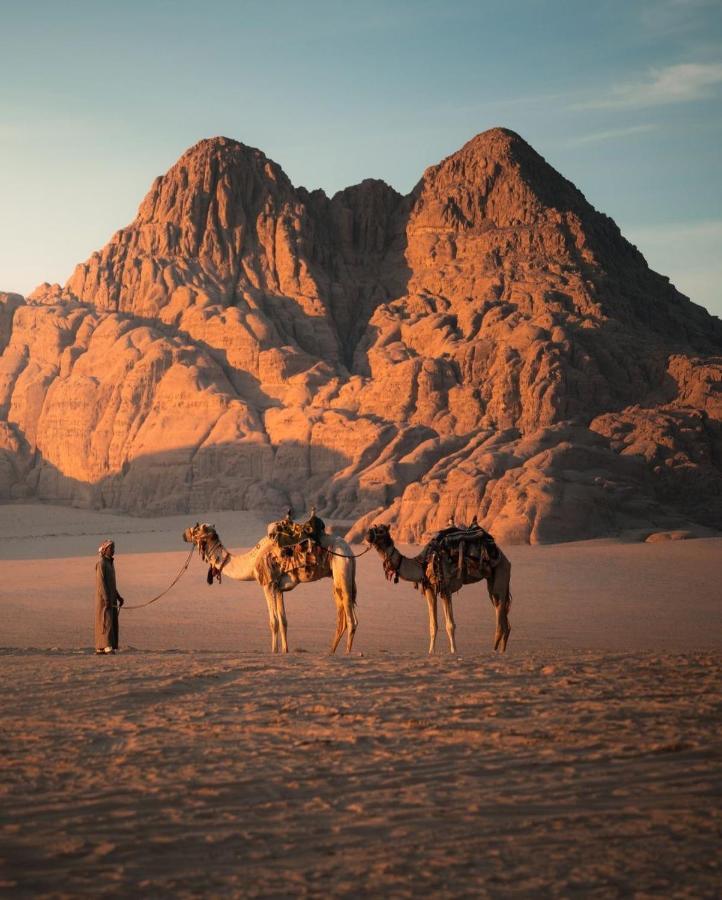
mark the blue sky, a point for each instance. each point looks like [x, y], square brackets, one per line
[96, 98]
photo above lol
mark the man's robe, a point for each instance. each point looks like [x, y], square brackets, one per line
[106, 605]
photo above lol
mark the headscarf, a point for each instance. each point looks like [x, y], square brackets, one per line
[106, 548]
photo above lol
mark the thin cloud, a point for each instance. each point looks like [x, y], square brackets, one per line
[674, 84]
[610, 134]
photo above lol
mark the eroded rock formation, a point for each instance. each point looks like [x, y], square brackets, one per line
[489, 344]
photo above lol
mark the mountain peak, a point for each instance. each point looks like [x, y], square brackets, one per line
[489, 345]
[495, 138]
[504, 152]
[495, 143]
[219, 146]
[225, 156]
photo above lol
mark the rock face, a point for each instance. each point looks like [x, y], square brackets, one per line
[489, 345]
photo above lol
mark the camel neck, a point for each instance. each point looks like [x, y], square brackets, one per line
[407, 569]
[241, 566]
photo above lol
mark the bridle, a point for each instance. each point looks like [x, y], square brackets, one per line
[387, 549]
[211, 551]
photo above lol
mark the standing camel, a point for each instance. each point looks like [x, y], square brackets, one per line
[443, 580]
[263, 564]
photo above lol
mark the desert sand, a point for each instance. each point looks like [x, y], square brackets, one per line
[585, 762]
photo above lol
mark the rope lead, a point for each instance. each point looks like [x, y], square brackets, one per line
[174, 582]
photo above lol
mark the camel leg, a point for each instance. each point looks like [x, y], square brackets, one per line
[272, 617]
[503, 628]
[433, 623]
[281, 615]
[450, 624]
[340, 627]
[506, 626]
[352, 623]
[499, 632]
[343, 572]
[500, 594]
[349, 615]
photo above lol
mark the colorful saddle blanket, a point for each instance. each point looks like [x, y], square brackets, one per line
[467, 554]
[298, 551]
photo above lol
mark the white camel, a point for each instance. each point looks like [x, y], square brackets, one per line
[265, 565]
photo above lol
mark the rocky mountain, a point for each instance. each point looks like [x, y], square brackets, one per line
[489, 344]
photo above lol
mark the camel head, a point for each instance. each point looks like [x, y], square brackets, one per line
[205, 537]
[379, 536]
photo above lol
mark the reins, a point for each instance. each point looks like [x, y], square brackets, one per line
[346, 555]
[174, 582]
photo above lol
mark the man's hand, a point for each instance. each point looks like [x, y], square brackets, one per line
[120, 601]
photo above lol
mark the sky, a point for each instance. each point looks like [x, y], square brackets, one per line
[623, 97]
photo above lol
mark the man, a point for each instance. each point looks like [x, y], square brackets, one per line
[107, 600]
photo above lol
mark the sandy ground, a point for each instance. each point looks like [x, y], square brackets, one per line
[586, 762]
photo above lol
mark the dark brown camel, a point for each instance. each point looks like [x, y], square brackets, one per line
[439, 578]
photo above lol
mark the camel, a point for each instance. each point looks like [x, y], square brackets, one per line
[264, 564]
[440, 578]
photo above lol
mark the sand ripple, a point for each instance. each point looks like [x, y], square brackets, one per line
[186, 774]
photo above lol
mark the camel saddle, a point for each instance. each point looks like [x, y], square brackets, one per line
[298, 547]
[287, 533]
[468, 552]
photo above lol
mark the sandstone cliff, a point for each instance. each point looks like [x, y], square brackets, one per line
[489, 344]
